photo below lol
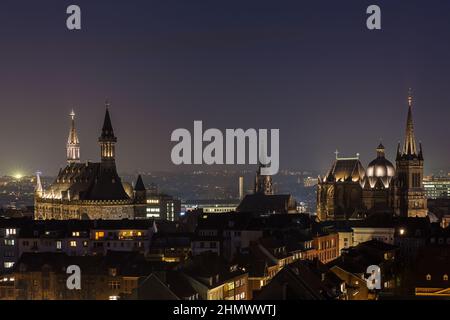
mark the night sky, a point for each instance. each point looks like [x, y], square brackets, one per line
[309, 68]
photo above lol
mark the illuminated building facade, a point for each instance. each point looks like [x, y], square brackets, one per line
[91, 190]
[161, 206]
[309, 182]
[349, 191]
[436, 187]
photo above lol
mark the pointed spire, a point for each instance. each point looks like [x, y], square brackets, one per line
[73, 136]
[139, 184]
[107, 139]
[420, 151]
[399, 152]
[409, 148]
[73, 143]
[39, 189]
[107, 130]
[410, 97]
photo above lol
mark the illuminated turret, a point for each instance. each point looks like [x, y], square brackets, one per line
[73, 144]
[108, 139]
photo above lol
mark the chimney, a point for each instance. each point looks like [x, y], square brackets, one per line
[241, 188]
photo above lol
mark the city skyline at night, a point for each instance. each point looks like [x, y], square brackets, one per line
[311, 70]
[242, 153]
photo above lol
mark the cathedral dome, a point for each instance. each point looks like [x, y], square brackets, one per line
[380, 168]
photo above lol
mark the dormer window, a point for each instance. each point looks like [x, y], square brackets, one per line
[428, 277]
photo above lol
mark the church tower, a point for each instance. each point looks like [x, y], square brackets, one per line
[140, 193]
[409, 198]
[73, 144]
[108, 140]
[263, 184]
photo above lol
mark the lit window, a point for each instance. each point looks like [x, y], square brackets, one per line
[445, 277]
[58, 245]
[99, 234]
[73, 243]
[10, 232]
[8, 265]
[75, 234]
[9, 242]
[428, 277]
[114, 285]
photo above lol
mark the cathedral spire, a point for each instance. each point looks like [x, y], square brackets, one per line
[399, 152]
[39, 189]
[139, 184]
[73, 143]
[107, 138]
[409, 148]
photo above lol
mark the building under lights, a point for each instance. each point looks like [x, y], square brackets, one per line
[90, 190]
[437, 187]
[349, 191]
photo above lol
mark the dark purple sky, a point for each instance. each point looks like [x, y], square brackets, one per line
[309, 68]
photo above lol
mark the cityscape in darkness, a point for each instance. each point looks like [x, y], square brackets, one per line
[251, 151]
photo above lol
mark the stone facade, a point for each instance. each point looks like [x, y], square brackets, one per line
[91, 190]
[349, 191]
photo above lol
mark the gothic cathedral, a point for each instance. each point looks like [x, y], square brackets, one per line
[349, 191]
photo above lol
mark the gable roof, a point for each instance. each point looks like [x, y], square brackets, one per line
[262, 203]
[87, 181]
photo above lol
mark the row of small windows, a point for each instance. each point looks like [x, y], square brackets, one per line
[444, 277]
[85, 244]
[440, 240]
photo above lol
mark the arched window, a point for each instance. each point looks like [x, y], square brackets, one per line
[428, 277]
[445, 277]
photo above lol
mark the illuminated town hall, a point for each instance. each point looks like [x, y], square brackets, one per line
[90, 190]
[348, 190]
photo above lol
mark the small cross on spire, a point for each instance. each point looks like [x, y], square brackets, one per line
[410, 97]
[337, 154]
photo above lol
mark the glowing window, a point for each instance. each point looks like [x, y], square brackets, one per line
[99, 234]
[428, 277]
[10, 232]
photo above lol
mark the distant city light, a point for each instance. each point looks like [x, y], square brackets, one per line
[18, 175]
